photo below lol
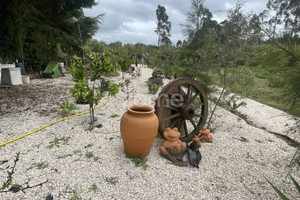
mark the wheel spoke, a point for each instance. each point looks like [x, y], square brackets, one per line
[172, 116]
[171, 108]
[188, 94]
[193, 98]
[196, 106]
[174, 123]
[180, 125]
[185, 129]
[194, 124]
[180, 91]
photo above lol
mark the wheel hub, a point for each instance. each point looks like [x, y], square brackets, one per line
[188, 112]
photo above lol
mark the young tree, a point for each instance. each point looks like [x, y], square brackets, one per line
[195, 19]
[231, 42]
[163, 27]
[91, 85]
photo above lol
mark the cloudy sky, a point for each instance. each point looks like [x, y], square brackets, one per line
[133, 21]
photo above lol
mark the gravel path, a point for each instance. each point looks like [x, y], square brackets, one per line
[92, 165]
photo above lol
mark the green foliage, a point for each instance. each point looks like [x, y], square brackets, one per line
[89, 145]
[67, 108]
[139, 161]
[283, 56]
[8, 185]
[232, 103]
[91, 85]
[114, 73]
[163, 28]
[90, 154]
[112, 180]
[157, 73]
[10, 173]
[279, 193]
[196, 64]
[123, 59]
[195, 21]
[281, 71]
[94, 45]
[56, 142]
[76, 195]
[81, 91]
[114, 116]
[41, 165]
[165, 61]
[125, 86]
[37, 30]
[64, 156]
[93, 188]
[152, 87]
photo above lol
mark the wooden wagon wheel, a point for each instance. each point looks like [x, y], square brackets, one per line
[182, 103]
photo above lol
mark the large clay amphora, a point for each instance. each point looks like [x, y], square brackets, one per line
[139, 126]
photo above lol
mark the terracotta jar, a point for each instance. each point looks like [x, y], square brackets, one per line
[139, 126]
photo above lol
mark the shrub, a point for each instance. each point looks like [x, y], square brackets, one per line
[67, 108]
[152, 87]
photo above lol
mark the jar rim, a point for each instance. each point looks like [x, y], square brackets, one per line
[140, 109]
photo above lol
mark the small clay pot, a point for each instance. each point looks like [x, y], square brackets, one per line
[205, 136]
[139, 126]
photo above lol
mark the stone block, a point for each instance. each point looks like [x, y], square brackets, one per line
[11, 76]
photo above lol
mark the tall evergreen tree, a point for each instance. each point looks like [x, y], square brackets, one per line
[39, 30]
[163, 26]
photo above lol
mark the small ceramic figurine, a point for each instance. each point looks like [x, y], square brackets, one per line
[173, 149]
[196, 142]
[205, 136]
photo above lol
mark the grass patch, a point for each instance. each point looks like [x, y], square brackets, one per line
[57, 142]
[248, 156]
[259, 141]
[207, 189]
[89, 145]
[78, 151]
[139, 161]
[112, 180]
[41, 165]
[93, 188]
[114, 116]
[64, 156]
[262, 85]
[269, 140]
[90, 154]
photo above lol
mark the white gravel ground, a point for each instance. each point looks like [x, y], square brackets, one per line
[230, 169]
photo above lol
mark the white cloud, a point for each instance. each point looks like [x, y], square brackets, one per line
[132, 21]
[139, 26]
